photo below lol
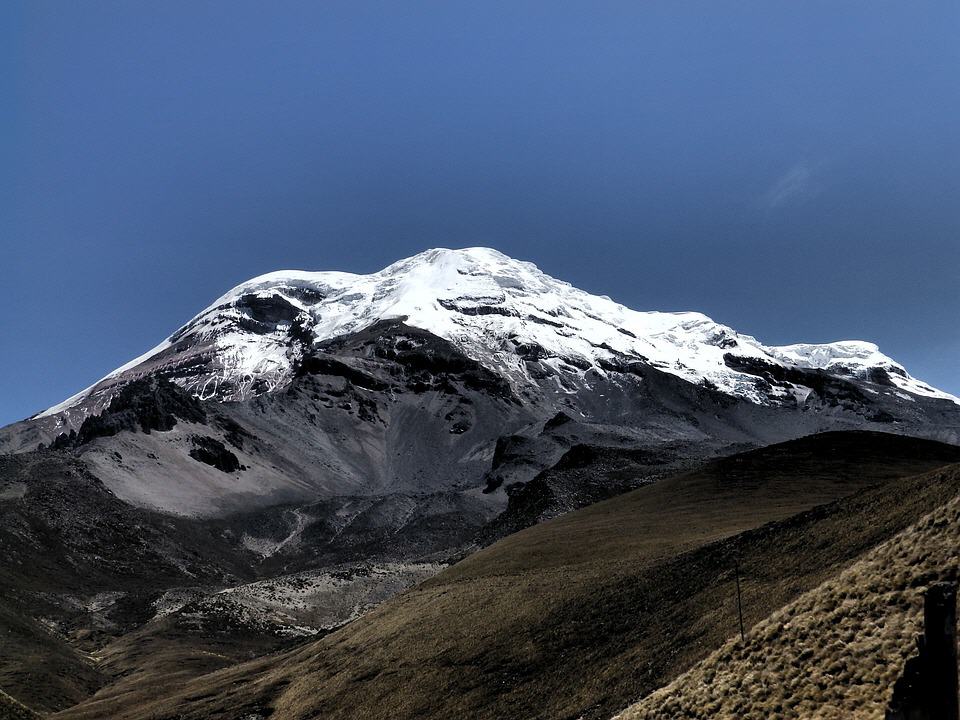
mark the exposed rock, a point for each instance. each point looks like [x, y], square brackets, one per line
[213, 452]
[150, 404]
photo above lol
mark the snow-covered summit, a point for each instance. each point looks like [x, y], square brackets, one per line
[497, 310]
[823, 357]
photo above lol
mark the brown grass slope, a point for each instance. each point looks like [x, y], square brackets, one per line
[10, 709]
[580, 615]
[176, 652]
[39, 668]
[834, 652]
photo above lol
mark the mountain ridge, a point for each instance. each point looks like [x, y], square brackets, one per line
[309, 386]
[499, 311]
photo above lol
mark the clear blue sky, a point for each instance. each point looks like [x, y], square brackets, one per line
[790, 168]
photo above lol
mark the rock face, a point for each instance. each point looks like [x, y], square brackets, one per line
[214, 453]
[144, 405]
[393, 411]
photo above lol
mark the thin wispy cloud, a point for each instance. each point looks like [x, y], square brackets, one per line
[795, 185]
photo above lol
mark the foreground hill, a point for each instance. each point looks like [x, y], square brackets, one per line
[581, 615]
[835, 651]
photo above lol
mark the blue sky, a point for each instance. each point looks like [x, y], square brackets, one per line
[791, 169]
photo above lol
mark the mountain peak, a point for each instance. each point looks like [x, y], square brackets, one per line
[477, 254]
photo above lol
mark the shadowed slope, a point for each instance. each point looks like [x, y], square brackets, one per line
[580, 615]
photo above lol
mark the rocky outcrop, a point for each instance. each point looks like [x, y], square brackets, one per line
[214, 453]
[144, 405]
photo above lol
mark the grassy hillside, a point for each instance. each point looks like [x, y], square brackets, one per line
[583, 614]
[836, 651]
[10, 709]
[30, 651]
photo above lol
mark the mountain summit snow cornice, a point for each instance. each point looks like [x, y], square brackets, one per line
[499, 311]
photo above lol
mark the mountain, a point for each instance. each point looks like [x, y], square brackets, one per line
[838, 649]
[505, 314]
[456, 371]
[313, 444]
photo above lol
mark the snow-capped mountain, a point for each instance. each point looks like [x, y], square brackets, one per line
[453, 371]
[312, 443]
[506, 314]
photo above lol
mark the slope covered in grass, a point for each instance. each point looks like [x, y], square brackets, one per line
[578, 616]
[10, 709]
[836, 651]
[40, 668]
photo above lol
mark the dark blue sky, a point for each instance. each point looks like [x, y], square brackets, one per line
[790, 168]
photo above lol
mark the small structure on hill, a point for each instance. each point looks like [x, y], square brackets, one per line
[927, 690]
